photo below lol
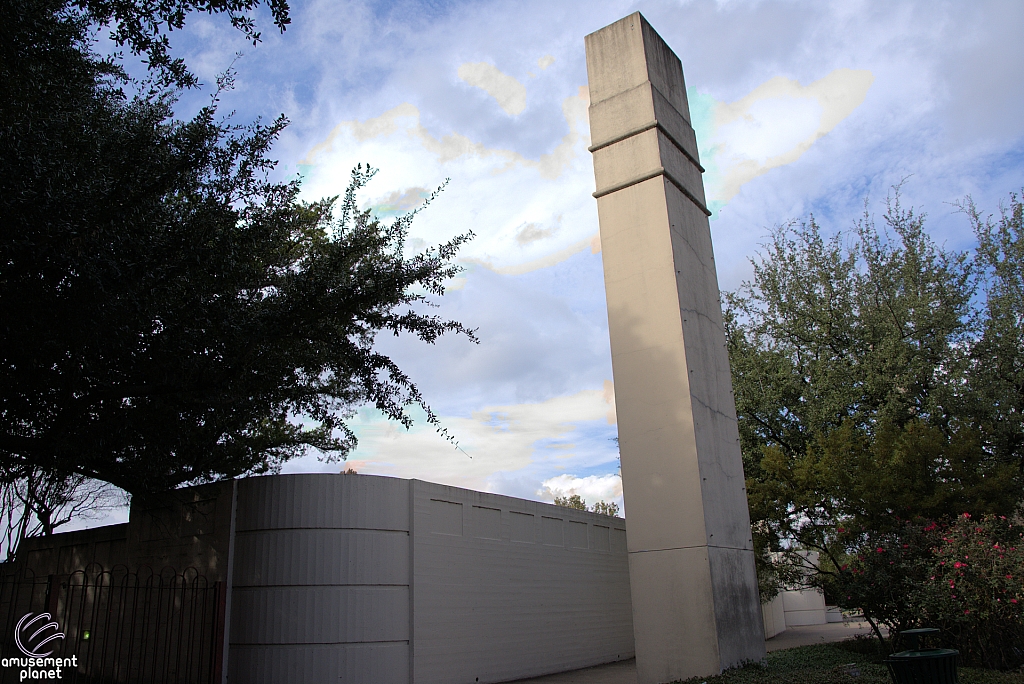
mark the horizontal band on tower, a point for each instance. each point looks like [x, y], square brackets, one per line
[660, 171]
[641, 129]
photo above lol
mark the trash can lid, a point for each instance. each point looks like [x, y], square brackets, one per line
[926, 653]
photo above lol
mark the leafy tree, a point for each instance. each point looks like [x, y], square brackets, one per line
[857, 369]
[574, 501]
[169, 314]
[143, 26]
[996, 377]
[605, 508]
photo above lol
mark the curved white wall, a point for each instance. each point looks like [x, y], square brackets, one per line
[321, 580]
[357, 578]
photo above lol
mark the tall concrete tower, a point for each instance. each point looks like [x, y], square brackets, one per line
[696, 609]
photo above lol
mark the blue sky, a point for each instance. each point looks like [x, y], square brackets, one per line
[799, 107]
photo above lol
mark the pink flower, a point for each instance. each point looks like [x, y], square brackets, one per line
[967, 515]
[958, 564]
[880, 550]
[951, 584]
[967, 612]
[1013, 600]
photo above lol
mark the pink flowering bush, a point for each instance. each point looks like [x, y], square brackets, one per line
[880, 574]
[974, 589]
[965, 577]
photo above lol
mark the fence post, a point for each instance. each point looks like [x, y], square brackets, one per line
[52, 595]
[221, 591]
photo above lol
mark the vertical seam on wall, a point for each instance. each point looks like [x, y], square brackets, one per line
[412, 575]
[229, 582]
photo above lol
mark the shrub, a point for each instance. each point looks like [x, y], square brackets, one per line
[975, 589]
[965, 577]
[881, 575]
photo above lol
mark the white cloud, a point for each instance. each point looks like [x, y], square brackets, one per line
[776, 123]
[509, 92]
[591, 489]
[494, 192]
[494, 439]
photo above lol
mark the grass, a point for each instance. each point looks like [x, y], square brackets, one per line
[850, 662]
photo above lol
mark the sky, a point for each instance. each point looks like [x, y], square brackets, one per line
[800, 108]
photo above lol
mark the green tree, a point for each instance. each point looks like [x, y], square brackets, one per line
[169, 314]
[574, 501]
[996, 377]
[855, 366]
[605, 508]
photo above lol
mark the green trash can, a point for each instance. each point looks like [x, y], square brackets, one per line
[923, 665]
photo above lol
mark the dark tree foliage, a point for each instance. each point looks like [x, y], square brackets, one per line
[168, 315]
[143, 25]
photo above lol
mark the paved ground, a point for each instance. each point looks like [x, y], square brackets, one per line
[624, 672]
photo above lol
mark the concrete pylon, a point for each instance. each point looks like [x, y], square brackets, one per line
[696, 609]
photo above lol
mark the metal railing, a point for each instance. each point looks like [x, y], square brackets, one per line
[120, 627]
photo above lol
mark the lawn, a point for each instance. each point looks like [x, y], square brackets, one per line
[856, 661]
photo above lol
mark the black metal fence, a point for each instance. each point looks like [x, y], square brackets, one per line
[118, 627]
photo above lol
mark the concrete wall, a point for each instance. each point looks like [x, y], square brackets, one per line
[358, 578]
[66, 552]
[804, 607]
[773, 614]
[795, 608]
[183, 528]
[505, 588]
[321, 580]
